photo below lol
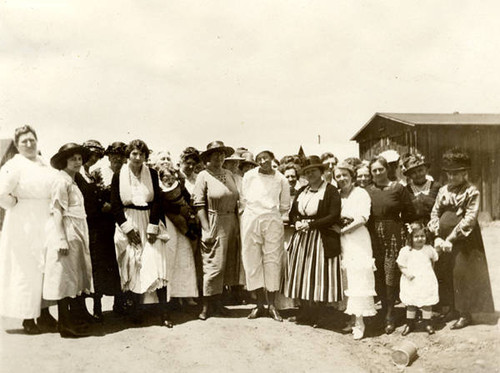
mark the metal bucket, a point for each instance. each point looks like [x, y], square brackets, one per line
[404, 353]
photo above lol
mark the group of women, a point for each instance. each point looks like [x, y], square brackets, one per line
[319, 232]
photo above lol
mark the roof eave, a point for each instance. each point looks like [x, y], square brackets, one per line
[383, 115]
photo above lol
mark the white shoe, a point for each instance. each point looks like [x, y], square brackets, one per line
[358, 330]
[357, 333]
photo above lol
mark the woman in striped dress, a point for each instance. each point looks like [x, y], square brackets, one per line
[313, 274]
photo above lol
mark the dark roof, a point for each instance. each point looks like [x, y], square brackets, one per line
[6, 146]
[413, 119]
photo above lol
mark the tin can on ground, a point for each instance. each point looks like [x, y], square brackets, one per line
[404, 353]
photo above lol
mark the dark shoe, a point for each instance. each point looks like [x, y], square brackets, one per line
[408, 328]
[165, 321]
[275, 315]
[461, 323]
[203, 315]
[256, 313]
[30, 327]
[220, 310]
[47, 323]
[73, 331]
[98, 318]
[449, 316]
[430, 329]
[390, 327]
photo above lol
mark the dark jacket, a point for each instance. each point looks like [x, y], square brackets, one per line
[327, 216]
[153, 206]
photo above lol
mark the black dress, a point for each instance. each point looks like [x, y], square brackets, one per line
[101, 232]
[454, 217]
[391, 208]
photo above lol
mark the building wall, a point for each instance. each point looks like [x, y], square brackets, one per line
[481, 142]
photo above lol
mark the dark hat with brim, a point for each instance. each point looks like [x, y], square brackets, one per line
[95, 147]
[313, 161]
[117, 147]
[456, 165]
[413, 161]
[216, 146]
[59, 160]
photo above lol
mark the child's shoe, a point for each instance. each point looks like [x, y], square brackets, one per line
[410, 325]
[429, 328]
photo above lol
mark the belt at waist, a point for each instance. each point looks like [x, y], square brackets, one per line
[134, 207]
[215, 212]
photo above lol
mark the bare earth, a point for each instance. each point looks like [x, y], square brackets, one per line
[240, 345]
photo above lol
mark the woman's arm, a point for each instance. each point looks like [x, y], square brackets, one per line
[119, 214]
[408, 212]
[469, 220]
[9, 178]
[362, 211]
[433, 224]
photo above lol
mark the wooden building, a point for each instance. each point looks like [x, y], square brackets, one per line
[432, 135]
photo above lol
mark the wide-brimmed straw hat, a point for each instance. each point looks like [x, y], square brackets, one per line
[413, 161]
[234, 157]
[59, 160]
[344, 165]
[248, 159]
[216, 146]
[313, 161]
[117, 147]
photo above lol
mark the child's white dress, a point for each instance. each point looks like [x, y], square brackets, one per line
[423, 289]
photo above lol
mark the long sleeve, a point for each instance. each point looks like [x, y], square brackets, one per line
[9, 178]
[116, 202]
[408, 213]
[471, 210]
[433, 224]
[154, 217]
[284, 196]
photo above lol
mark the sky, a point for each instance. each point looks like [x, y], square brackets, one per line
[260, 74]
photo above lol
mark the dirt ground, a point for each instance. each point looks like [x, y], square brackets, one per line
[241, 345]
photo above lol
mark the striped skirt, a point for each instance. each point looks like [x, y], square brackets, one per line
[309, 275]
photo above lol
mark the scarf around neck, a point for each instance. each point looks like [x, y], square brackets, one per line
[136, 191]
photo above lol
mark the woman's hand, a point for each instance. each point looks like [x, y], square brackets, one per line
[106, 207]
[63, 251]
[409, 276]
[152, 238]
[207, 238]
[447, 246]
[133, 237]
[301, 225]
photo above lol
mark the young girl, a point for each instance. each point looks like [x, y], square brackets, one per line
[68, 269]
[419, 286]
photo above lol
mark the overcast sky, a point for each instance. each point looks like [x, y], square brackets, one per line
[252, 73]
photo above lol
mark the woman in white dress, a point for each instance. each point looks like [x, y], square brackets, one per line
[355, 241]
[142, 259]
[68, 268]
[25, 183]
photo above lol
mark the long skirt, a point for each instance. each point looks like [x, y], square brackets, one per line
[68, 275]
[217, 269]
[388, 238]
[143, 268]
[359, 266]
[181, 266]
[470, 278]
[311, 276]
[22, 258]
[102, 252]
